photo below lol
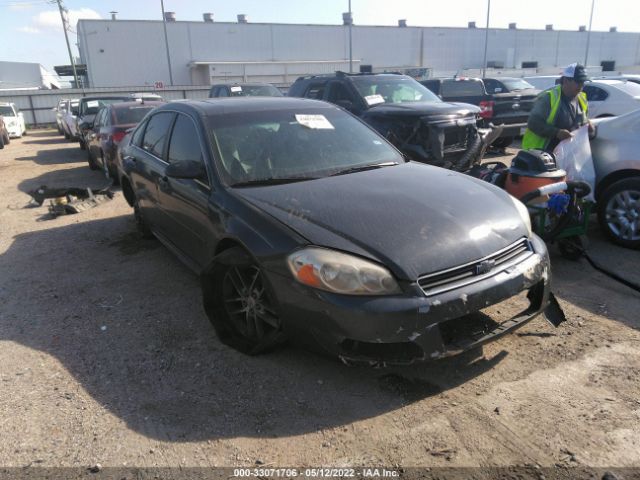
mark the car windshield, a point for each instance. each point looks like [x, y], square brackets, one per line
[6, 111]
[131, 115]
[303, 144]
[514, 84]
[392, 89]
[90, 107]
[255, 91]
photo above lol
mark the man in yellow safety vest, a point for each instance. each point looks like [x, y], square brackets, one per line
[558, 111]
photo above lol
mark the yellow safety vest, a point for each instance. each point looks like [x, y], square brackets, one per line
[532, 140]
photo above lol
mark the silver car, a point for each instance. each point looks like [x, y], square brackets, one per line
[616, 157]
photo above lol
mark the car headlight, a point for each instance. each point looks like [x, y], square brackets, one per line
[524, 213]
[340, 273]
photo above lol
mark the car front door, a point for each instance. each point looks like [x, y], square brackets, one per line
[185, 201]
[145, 164]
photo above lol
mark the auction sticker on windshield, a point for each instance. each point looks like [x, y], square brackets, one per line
[236, 89]
[374, 99]
[319, 122]
[93, 103]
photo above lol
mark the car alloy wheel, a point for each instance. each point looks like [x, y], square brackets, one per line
[240, 305]
[619, 212]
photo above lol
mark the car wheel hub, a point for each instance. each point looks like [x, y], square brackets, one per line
[623, 215]
[247, 304]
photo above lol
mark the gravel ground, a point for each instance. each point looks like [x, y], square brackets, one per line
[107, 357]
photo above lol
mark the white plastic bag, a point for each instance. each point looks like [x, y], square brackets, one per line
[573, 155]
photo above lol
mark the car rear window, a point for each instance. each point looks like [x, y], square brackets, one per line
[90, 107]
[131, 115]
[460, 88]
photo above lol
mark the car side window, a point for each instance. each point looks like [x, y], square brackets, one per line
[184, 144]
[315, 91]
[595, 94]
[338, 92]
[491, 86]
[136, 139]
[223, 92]
[156, 133]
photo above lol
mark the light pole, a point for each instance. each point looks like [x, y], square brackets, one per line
[166, 42]
[66, 37]
[586, 53]
[350, 39]
[486, 40]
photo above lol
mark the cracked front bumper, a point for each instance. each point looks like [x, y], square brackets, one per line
[411, 327]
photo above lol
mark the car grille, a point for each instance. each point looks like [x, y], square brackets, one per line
[450, 279]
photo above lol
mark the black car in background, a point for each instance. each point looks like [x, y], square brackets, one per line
[410, 116]
[244, 90]
[110, 125]
[306, 224]
[502, 101]
[87, 109]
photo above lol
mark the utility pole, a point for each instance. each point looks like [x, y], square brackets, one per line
[586, 53]
[350, 39]
[66, 37]
[486, 40]
[166, 42]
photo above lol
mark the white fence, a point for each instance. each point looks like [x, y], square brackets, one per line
[38, 105]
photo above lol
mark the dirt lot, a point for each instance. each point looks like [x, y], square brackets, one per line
[107, 357]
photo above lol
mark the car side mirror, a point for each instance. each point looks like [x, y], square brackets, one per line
[346, 104]
[189, 169]
[20, 114]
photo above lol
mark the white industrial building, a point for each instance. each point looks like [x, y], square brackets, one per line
[132, 52]
[26, 76]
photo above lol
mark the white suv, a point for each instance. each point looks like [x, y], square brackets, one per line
[13, 119]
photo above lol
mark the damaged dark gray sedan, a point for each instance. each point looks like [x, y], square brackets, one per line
[305, 224]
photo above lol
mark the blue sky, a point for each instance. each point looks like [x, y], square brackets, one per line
[30, 30]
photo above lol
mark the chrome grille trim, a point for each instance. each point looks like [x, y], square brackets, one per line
[456, 277]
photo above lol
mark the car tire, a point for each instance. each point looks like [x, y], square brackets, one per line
[6, 139]
[503, 142]
[67, 136]
[82, 145]
[1, 142]
[619, 212]
[92, 161]
[240, 304]
[141, 224]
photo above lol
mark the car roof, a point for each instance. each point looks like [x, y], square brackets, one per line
[227, 105]
[117, 106]
[603, 81]
[243, 84]
[107, 97]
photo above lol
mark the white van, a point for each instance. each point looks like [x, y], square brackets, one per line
[13, 119]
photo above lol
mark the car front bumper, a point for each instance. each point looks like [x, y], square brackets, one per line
[412, 327]
[14, 131]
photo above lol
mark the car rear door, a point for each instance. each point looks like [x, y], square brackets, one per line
[145, 164]
[185, 201]
[93, 139]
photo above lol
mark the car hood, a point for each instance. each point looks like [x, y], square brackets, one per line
[413, 218]
[422, 109]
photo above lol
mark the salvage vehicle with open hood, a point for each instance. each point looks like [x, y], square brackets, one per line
[406, 113]
[306, 224]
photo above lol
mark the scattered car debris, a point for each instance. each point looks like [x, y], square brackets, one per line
[70, 200]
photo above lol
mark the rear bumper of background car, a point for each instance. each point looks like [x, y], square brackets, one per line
[412, 327]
